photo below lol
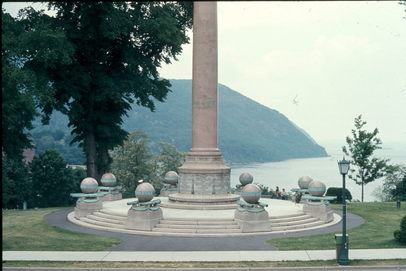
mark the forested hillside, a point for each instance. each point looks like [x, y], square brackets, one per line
[248, 131]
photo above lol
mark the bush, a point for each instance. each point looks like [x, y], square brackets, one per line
[52, 181]
[338, 192]
[400, 235]
[16, 185]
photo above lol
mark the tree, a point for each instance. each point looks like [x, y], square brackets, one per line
[394, 185]
[16, 185]
[52, 181]
[117, 48]
[168, 159]
[361, 147]
[132, 162]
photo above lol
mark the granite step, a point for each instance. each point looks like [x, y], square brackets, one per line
[289, 219]
[296, 227]
[194, 226]
[198, 221]
[101, 223]
[104, 219]
[294, 222]
[109, 216]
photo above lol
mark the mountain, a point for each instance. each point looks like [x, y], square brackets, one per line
[248, 131]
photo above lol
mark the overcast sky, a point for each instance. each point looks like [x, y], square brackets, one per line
[319, 63]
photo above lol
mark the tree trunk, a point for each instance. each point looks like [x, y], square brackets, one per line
[362, 192]
[90, 147]
[103, 161]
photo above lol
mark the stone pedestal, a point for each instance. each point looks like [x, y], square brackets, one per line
[252, 221]
[322, 212]
[166, 193]
[112, 196]
[84, 208]
[144, 220]
[204, 173]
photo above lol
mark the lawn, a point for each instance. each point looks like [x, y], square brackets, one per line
[381, 220]
[27, 230]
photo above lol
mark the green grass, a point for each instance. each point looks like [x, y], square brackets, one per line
[381, 220]
[27, 230]
[250, 264]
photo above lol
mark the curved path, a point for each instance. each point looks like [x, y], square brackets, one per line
[131, 242]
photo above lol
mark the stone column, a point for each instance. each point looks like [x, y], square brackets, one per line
[204, 175]
[204, 97]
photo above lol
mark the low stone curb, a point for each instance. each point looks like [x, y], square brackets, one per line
[319, 268]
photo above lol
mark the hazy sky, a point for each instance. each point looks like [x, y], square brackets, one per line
[319, 63]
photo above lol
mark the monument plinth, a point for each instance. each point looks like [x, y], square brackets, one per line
[204, 177]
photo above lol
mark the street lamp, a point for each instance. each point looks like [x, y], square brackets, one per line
[344, 166]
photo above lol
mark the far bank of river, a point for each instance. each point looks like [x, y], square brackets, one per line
[286, 173]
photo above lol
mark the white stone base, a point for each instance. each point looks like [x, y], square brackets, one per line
[111, 197]
[143, 220]
[165, 193]
[322, 212]
[83, 209]
[253, 222]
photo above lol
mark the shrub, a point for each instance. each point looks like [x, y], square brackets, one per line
[400, 235]
[52, 181]
[338, 192]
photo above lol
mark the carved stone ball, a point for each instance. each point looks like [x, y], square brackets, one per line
[109, 180]
[251, 193]
[304, 182]
[171, 177]
[145, 192]
[317, 188]
[246, 178]
[89, 185]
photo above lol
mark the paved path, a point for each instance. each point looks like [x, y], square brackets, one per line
[133, 242]
[200, 256]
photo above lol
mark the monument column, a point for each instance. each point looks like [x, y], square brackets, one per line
[204, 177]
[204, 86]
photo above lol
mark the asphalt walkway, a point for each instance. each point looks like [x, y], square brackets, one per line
[201, 256]
[131, 242]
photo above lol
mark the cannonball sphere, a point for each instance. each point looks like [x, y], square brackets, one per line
[246, 178]
[145, 192]
[89, 185]
[171, 177]
[317, 188]
[251, 193]
[304, 182]
[109, 180]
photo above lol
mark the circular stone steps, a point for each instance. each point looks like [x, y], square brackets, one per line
[284, 217]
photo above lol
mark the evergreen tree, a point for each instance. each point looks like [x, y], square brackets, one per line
[361, 147]
[117, 48]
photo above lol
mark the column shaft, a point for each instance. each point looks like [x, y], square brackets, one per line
[205, 96]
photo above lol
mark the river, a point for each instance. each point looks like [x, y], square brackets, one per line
[285, 174]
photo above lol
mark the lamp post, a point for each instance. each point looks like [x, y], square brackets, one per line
[344, 166]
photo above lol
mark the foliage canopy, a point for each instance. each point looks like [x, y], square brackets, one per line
[361, 147]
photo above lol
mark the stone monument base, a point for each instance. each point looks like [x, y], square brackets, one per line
[166, 193]
[143, 220]
[83, 208]
[322, 212]
[112, 196]
[252, 221]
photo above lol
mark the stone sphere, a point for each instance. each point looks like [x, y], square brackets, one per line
[145, 192]
[317, 188]
[304, 182]
[109, 180]
[171, 177]
[251, 193]
[246, 178]
[89, 185]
